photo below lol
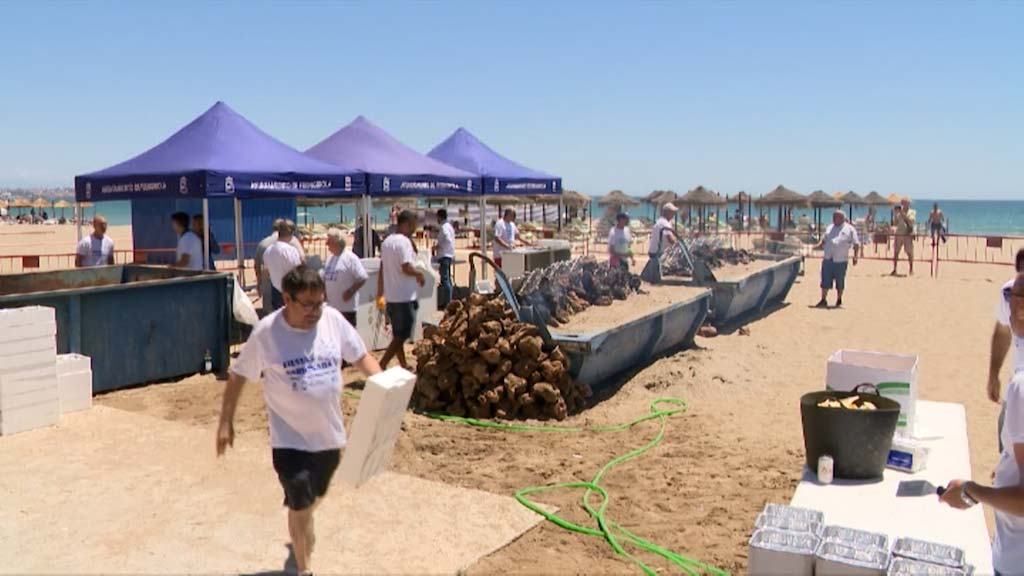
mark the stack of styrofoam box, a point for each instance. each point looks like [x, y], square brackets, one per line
[74, 382]
[377, 424]
[28, 375]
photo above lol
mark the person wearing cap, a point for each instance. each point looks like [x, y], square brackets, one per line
[662, 234]
[1006, 495]
[620, 250]
[839, 237]
[506, 235]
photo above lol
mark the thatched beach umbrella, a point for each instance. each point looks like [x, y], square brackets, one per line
[876, 199]
[784, 198]
[701, 197]
[850, 199]
[659, 198]
[819, 200]
[618, 198]
[62, 205]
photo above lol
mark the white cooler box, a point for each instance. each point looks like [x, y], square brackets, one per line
[895, 376]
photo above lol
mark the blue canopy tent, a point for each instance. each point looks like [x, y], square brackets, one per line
[392, 168]
[499, 174]
[220, 154]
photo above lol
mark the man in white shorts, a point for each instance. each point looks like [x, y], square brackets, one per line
[96, 249]
[298, 352]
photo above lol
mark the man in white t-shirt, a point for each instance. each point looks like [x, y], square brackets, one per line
[662, 235]
[506, 235]
[343, 276]
[96, 249]
[839, 238]
[189, 253]
[1006, 496]
[398, 284]
[1002, 340]
[262, 276]
[620, 240]
[444, 251]
[298, 352]
[279, 259]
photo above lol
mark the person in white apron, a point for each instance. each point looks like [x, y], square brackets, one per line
[662, 234]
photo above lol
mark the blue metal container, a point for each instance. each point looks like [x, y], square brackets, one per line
[139, 324]
[595, 358]
[737, 300]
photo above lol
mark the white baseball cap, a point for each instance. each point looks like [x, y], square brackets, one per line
[669, 206]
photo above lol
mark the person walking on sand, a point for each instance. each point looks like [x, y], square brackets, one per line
[906, 222]
[662, 234]
[444, 251]
[262, 274]
[280, 258]
[1006, 495]
[96, 249]
[1002, 338]
[343, 276]
[189, 253]
[839, 237]
[298, 352]
[937, 224]
[620, 241]
[398, 286]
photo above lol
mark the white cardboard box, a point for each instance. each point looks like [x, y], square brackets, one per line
[29, 417]
[75, 391]
[895, 375]
[376, 426]
[26, 316]
[72, 363]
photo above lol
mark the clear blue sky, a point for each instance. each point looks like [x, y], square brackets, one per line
[917, 98]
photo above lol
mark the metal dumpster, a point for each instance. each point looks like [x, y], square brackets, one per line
[139, 324]
[595, 358]
[736, 300]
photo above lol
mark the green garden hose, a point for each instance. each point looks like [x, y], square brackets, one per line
[607, 529]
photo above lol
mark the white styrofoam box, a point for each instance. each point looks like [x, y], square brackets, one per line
[27, 346]
[43, 390]
[895, 375]
[16, 333]
[377, 424]
[778, 552]
[26, 316]
[371, 324]
[26, 380]
[71, 363]
[75, 391]
[11, 365]
[29, 417]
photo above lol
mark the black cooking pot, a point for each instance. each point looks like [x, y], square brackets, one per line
[857, 440]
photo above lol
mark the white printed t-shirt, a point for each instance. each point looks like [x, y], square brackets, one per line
[95, 252]
[1008, 544]
[280, 258]
[190, 244]
[339, 274]
[398, 286]
[508, 232]
[838, 242]
[1003, 317]
[446, 241]
[301, 371]
[658, 242]
[619, 240]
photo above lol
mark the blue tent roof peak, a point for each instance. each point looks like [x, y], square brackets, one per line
[500, 175]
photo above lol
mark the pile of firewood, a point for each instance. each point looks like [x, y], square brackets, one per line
[674, 263]
[482, 362]
[566, 288]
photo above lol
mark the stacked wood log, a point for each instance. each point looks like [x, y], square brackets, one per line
[482, 362]
[569, 287]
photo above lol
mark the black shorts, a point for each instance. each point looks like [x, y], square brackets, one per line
[304, 476]
[351, 317]
[403, 318]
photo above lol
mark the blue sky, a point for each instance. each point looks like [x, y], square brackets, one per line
[918, 98]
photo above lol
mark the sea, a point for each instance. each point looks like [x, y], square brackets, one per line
[973, 217]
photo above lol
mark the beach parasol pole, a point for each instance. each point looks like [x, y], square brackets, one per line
[239, 250]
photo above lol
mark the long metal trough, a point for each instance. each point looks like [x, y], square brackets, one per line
[139, 324]
[597, 357]
[735, 300]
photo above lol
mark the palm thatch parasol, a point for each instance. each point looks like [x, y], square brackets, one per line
[784, 198]
[896, 198]
[575, 199]
[618, 198]
[40, 203]
[21, 203]
[818, 201]
[876, 199]
[701, 197]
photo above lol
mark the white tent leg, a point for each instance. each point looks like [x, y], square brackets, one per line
[239, 244]
[78, 219]
[206, 234]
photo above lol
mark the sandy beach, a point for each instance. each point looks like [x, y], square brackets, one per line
[737, 447]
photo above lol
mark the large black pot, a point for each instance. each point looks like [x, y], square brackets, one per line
[857, 440]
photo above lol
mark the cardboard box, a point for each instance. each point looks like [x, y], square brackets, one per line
[75, 391]
[895, 376]
[29, 417]
[73, 363]
[377, 424]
